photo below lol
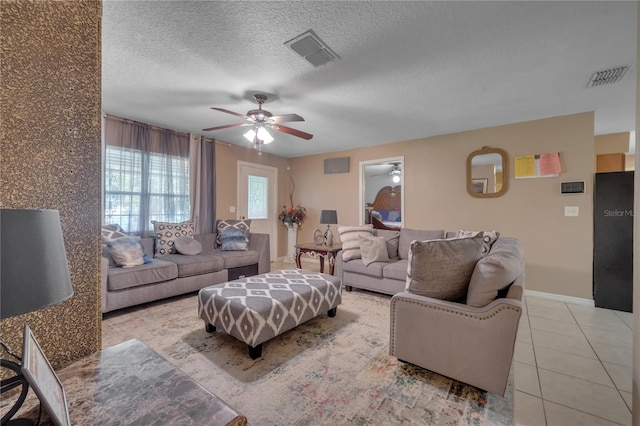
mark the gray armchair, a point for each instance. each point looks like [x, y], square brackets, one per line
[469, 344]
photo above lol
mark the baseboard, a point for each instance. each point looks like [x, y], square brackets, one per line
[560, 298]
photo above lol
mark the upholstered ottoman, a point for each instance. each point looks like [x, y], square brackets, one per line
[258, 308]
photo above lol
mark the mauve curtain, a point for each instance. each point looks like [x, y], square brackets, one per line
[203, 183]
[148, 140]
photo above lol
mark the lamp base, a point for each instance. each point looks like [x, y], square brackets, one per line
[328, 237]
[11, 383]
[20, 422]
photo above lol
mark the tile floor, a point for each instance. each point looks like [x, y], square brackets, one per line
[572, 365]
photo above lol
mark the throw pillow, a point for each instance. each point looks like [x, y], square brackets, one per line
[441, 269]
[127, 251]
[167, 233]
[407, 235]
[392, 239]
[373, 249]
[112, 231]
[350, 242]
[240, 224]
[495, 272]
[187, 246]
[233, 239]
[489, 237]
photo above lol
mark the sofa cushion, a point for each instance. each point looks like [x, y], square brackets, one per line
[396, 270]
[358, 267]
[373, 249]
[489, 237]
[202, 263]
[127, 251]
[350, 242]
[392, 238]
[233, 239]
[235, 259]
[495, 272]
[187, 246]
[231, 223]
[167, 233]
[157, 271]
[441, 269]
[407, 235]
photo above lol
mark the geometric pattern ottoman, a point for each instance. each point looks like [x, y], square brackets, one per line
[257, 308]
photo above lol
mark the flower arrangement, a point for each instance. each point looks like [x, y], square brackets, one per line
[292, 215]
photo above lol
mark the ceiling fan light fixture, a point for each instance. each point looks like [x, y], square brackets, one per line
[396, 178]
[262, 135]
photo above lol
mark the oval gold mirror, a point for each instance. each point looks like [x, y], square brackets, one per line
[487, 175]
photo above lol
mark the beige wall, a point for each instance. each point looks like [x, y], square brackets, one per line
[611, 143]
[558, 249]
[227, 157]
[50, 155]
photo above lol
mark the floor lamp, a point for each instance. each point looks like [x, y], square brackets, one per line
[34, 274]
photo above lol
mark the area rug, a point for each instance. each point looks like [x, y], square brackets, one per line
[326, 371]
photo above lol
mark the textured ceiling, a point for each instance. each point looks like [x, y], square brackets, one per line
[406, 70]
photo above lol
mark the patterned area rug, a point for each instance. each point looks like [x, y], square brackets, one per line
[326, 371]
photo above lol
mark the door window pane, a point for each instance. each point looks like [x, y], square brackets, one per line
[258, 197]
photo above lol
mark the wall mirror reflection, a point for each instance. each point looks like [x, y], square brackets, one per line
[487, 173]
[381, 193]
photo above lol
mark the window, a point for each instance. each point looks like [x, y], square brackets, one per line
[163, 195]
[145, 178]
[257, 202]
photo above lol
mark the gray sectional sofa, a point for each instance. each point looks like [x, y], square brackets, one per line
[176, 274]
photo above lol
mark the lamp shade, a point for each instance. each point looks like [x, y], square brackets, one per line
[34, 272]
[329, 217]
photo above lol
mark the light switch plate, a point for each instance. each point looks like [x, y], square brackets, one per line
[232, 209]
[571, 210]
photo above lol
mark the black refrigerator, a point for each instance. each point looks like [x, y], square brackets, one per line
[613, 240]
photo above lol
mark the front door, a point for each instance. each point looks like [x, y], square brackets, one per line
[257, 199]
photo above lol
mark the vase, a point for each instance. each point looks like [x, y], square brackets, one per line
[292, 237]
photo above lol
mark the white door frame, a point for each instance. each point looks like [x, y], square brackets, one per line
[399, 159]
[273, 191]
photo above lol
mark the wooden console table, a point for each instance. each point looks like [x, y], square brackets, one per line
[318, 250]
[129, 383]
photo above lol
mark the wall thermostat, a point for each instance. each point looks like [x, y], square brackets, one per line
[573, 187]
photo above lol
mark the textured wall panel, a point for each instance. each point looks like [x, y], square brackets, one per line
[50, 155]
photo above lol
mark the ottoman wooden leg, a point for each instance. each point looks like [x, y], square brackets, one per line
[255, 352]
[348, 287]
[332, 312]
[210, 328]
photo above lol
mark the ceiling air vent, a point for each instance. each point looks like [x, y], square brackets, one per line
[609, 76]
[310, 47]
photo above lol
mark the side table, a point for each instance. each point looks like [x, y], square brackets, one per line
[318, 250]
[130, 383]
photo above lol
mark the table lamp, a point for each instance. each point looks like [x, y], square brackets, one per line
[328, 217]
[34, 274]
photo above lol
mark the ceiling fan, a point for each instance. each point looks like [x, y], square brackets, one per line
[394, 172]
[260, 120]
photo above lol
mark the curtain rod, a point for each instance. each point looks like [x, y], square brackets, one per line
[127, 120]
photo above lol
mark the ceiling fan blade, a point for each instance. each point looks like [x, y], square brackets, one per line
[294, 132]
[227, 126]
[286, 117]
[232, 113]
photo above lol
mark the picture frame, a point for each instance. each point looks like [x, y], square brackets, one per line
[43, 379]
[479, 186]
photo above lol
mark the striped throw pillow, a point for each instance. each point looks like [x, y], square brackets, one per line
[349, 235]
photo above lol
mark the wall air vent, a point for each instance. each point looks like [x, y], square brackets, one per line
[310, 47]
[609, 76]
